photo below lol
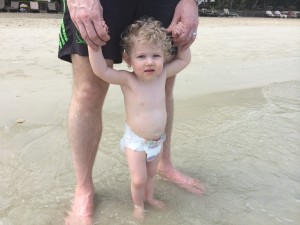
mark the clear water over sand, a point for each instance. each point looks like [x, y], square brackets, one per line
[236, 128]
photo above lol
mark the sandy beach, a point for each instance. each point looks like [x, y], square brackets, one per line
[229, 54]
[237, 104]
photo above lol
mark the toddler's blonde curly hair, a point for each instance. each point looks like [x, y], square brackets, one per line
[146, 30]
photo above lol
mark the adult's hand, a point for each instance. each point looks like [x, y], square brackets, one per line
[87, 15]
[186, 12]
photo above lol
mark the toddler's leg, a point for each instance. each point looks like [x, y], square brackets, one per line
[138, 173]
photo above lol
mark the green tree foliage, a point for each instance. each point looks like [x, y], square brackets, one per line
[7, 2]
[253, 4]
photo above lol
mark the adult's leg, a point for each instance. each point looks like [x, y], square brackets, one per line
[84, 129]
[150, 184]
[165, 166]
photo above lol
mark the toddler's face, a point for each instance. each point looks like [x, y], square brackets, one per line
[147, 60]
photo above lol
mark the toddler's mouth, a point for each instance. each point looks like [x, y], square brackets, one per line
[149, 70]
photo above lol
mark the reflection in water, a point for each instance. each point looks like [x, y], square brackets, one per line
[243, 145]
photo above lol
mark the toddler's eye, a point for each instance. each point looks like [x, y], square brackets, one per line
[141, 56]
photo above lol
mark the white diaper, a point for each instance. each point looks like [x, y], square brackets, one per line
[136, 143]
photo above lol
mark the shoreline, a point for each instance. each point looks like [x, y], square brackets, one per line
[233, 20]
[229, 54]
[236, 119]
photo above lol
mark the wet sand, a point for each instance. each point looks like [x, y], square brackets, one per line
[236, 127]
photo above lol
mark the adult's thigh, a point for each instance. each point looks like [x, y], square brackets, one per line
[87, 87]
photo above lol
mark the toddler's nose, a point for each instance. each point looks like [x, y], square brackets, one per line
[149, 61]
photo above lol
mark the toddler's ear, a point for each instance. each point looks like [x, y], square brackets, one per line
[127, 59]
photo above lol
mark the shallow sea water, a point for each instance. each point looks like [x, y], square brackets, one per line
[243, 145]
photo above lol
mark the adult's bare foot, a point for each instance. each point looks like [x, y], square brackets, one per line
[156, 203]
[82, 208]
[72, 219]
[83, 203]
[184, 181]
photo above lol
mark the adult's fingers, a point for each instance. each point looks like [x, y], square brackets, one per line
[84, 34]
[101, 30]
[87, 16]
[93, 39]
[173, 23]
[190, 38]
[186, 39]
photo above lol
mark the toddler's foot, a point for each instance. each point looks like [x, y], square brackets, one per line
[139, 212]
[156, 203]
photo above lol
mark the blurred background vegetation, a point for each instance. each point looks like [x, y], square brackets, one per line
[252, 4]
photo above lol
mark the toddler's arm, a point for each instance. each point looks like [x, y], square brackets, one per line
[183, 57]
[101, 69]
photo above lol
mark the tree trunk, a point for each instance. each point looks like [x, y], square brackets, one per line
[242, 4]
[255, 3]
[230, 4]
[221, 4]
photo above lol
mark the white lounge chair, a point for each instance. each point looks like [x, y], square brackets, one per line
[292, 14]
[226, 12]
[34, 7]
[278, 14]
[269, 14]
[2, 5]
[14, 7]
[52, 7]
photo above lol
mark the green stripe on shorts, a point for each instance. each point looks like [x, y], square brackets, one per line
[79, 39]
[63, 38]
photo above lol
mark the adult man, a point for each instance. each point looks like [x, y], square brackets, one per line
[84, 119]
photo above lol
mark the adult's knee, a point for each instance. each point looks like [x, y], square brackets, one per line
[89, 91]
[90, 96]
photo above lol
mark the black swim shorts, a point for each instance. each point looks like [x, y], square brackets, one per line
[118, 14]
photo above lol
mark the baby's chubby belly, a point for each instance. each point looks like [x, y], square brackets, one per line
[148, 125]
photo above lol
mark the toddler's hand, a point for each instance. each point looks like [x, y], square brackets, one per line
[105, 27]
[178, 29]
